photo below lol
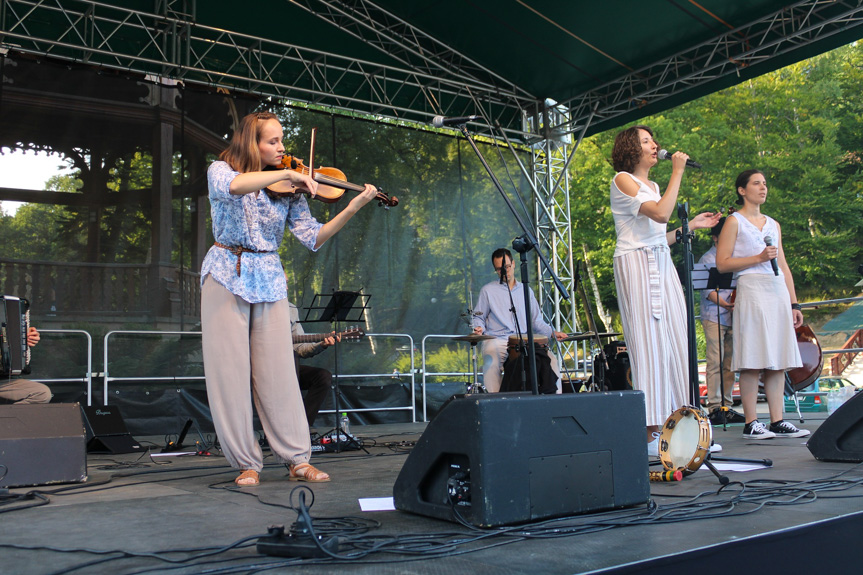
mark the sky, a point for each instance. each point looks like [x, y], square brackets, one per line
[27, 171]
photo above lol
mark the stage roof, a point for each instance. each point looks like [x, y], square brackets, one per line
[602, 63]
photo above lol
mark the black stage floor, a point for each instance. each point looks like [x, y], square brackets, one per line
[801, 514]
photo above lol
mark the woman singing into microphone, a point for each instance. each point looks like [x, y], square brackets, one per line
[648, 290]
[766, 311]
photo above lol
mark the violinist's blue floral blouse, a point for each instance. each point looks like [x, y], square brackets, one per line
[256, 223]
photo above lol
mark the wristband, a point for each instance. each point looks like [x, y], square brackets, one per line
[796, 306]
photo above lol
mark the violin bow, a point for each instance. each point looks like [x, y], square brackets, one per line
[312, 154]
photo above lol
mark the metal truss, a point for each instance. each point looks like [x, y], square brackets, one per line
[168, 42]
[553, 226]
[431, 79]
[402, 41]
[548, 176]
[774, 35]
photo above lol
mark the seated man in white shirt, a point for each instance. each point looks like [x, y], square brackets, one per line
[493, 316]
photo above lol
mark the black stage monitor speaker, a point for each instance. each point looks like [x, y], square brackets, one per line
[41, 444]
[106, 431]
[840, 437]
[508, 458]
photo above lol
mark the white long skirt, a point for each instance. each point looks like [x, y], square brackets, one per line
[764, 335]
[654, 327]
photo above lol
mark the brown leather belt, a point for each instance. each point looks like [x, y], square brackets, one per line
[239, 251]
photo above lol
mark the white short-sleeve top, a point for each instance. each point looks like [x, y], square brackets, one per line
[634, 230]
[751, 241]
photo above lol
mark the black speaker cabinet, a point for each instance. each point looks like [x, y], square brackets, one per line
[840, 437]
[106, 431]
[41, 444]
[508, 458]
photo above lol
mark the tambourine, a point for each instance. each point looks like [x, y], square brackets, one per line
[684, 442]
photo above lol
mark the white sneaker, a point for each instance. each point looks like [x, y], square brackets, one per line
[757, 430]
[653, 446]
[715, 447]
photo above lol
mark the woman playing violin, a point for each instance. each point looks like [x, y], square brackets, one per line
[245, 315]
[766, 309]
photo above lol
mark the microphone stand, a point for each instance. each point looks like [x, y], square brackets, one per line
[521, 345]
[684, 238]
[522, 245]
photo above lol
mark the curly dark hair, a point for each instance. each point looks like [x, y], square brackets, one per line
[627, 148]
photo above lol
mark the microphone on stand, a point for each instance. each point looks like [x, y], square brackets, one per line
[502, 274]
[664, 155]
[769, 241]
[441, 121]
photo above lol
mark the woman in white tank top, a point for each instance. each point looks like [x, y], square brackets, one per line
[649, 293]
[766, 311]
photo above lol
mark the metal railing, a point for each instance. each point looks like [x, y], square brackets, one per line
[88, 375]
[109, 379]
[845, 356]
[390, 375]
[466, 376]
[427, 373]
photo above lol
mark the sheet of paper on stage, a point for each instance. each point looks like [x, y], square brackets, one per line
[173, 454]
[377, 504]
[739, 467]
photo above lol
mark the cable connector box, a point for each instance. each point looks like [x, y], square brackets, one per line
[288, 545]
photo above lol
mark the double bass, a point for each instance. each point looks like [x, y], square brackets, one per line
[810, 352]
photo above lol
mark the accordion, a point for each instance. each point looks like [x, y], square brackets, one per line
[14, 324]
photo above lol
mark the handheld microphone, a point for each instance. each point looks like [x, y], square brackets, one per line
[441, 121]
[664, 155]
[675, 475]
[769, 241]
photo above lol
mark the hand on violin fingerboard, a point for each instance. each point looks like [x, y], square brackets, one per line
[368, 194]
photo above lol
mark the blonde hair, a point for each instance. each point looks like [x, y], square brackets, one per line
[243, 154]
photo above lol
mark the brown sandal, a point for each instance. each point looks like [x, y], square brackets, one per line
[307, 472]
[248, 478]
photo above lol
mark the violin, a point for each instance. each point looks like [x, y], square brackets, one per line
[332, 182]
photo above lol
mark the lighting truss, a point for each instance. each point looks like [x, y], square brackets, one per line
[775, 35]
[168, 42]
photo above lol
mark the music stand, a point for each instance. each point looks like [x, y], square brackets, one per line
[337, 309]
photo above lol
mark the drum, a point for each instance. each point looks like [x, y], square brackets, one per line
[684, 442]
[540, 342]
[512, 368]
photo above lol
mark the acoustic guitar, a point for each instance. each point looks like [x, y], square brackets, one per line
[347, 335]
